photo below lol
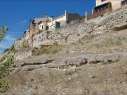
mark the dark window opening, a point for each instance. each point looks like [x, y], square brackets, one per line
[47, 28]
[57, 24]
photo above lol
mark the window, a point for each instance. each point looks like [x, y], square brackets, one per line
[57, 24]
[47, 28]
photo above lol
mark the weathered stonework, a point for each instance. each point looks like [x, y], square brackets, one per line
[116, 18]
[67, 35]
[22, 54]
[50, 24]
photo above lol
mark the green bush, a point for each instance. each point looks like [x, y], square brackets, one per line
[4, 72]
[24, 44]
[3, 85]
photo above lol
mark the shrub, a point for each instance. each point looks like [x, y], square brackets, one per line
[4, 72]
[24, 44]
[3, 85]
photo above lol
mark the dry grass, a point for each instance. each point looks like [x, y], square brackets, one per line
[104, 43]
[50, 49]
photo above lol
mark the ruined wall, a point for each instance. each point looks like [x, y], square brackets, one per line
[69, 34]
[46, 38]
[40, 39]
[21, 54]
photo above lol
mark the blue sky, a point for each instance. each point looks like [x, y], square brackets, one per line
[16, 14]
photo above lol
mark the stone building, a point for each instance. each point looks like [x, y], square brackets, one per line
[57, 22]
[50, 24]
[39, 25]
[103, 8]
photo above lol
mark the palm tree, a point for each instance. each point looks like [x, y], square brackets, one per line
[3, 30]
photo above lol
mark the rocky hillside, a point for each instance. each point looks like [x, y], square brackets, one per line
[85, 58]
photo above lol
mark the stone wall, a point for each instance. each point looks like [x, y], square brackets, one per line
[22, 54]
[115, 18]
[41, 39]
[69, 34]
[75, 31]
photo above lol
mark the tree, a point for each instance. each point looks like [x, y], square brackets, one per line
[3, 30]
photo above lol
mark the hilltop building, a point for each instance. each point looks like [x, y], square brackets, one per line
[39, 28]
[107, 6]
[116, 4]
[50, 23]
[47, 23]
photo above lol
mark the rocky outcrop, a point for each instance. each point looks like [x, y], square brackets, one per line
[74, 59]
[69, 73]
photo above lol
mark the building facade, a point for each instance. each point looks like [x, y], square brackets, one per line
[50, 24]
[39, 25]
[116, 4]
[106, 6]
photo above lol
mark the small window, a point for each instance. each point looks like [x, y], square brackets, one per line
[42, 27]
[57, 24]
